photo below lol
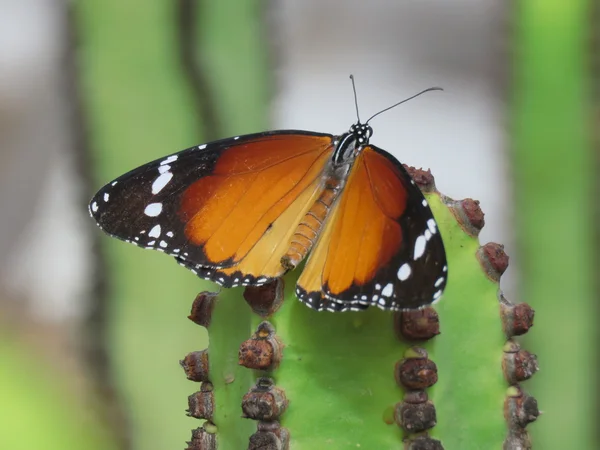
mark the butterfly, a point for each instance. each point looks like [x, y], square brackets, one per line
[247, 209]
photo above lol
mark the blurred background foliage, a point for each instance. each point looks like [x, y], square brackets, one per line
[91, 330]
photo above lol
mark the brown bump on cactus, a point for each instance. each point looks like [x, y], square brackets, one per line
[269, 436]
[518, 365]
[195, 365]
[417, 325]
[418, 396]
[516, 319]
[201, 404]
[415, 417]
[520, 408]
[468, 213]
[203, 438]
[423, 442]
[262, 351]
[264, 401]
[266, 299]
[202, 308]
[517, 439]
[422, 178]
[493, 259]
[416, 371]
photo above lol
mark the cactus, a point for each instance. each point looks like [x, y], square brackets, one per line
[555, 169]
[280, 375]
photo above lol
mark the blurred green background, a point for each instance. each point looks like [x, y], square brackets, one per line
[91, 330]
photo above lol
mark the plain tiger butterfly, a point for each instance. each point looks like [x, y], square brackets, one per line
[245, 210]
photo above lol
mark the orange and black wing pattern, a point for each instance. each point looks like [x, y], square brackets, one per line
[226, 210]
[380, 245]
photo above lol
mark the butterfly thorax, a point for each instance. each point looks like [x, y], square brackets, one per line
[335, 174]
[349, 144]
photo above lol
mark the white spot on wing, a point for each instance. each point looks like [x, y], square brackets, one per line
[419, 247]
[424, 202]
[163, 169]
[163, 244]
[437, 295]
[404, 272]
[106, 196]
[161, 182]
[439, 281]
[155, 231]
[388, 290]
[202, 147]
[428, 235]
[170, 233]
[170, 159]
[94, 207]
[153, 209]
[432, 226]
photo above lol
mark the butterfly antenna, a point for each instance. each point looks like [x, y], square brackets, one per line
[435, 88]
[355, 97]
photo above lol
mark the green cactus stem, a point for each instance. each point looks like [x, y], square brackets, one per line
[353, 380]
[555, 167]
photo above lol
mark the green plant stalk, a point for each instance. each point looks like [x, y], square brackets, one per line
[140, 107]
[553, 168]
[338, 369]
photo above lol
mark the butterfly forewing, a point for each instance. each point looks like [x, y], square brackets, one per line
[210, 205]
[380, 246]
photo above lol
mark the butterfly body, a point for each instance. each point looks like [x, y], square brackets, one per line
[245, 210]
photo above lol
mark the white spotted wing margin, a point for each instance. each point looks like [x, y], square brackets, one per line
[142, 207]
[415, 276]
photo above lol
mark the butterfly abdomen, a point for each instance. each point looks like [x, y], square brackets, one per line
[310, 226]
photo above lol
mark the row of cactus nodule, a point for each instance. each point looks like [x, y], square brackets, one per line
[278, 375]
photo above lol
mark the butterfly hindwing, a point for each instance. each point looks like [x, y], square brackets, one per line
[211, 205]
[381, 245]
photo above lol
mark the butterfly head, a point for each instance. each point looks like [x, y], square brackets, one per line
[362, 132]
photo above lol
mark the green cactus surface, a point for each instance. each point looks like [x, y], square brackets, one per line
[337, 370]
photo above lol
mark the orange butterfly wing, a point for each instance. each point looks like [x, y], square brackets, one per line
[380, 245]
[241, 202]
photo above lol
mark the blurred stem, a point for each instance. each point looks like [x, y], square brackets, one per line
[93, 328]
[141, 106]
[194, 68]
[553, 166]
[40, 409]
